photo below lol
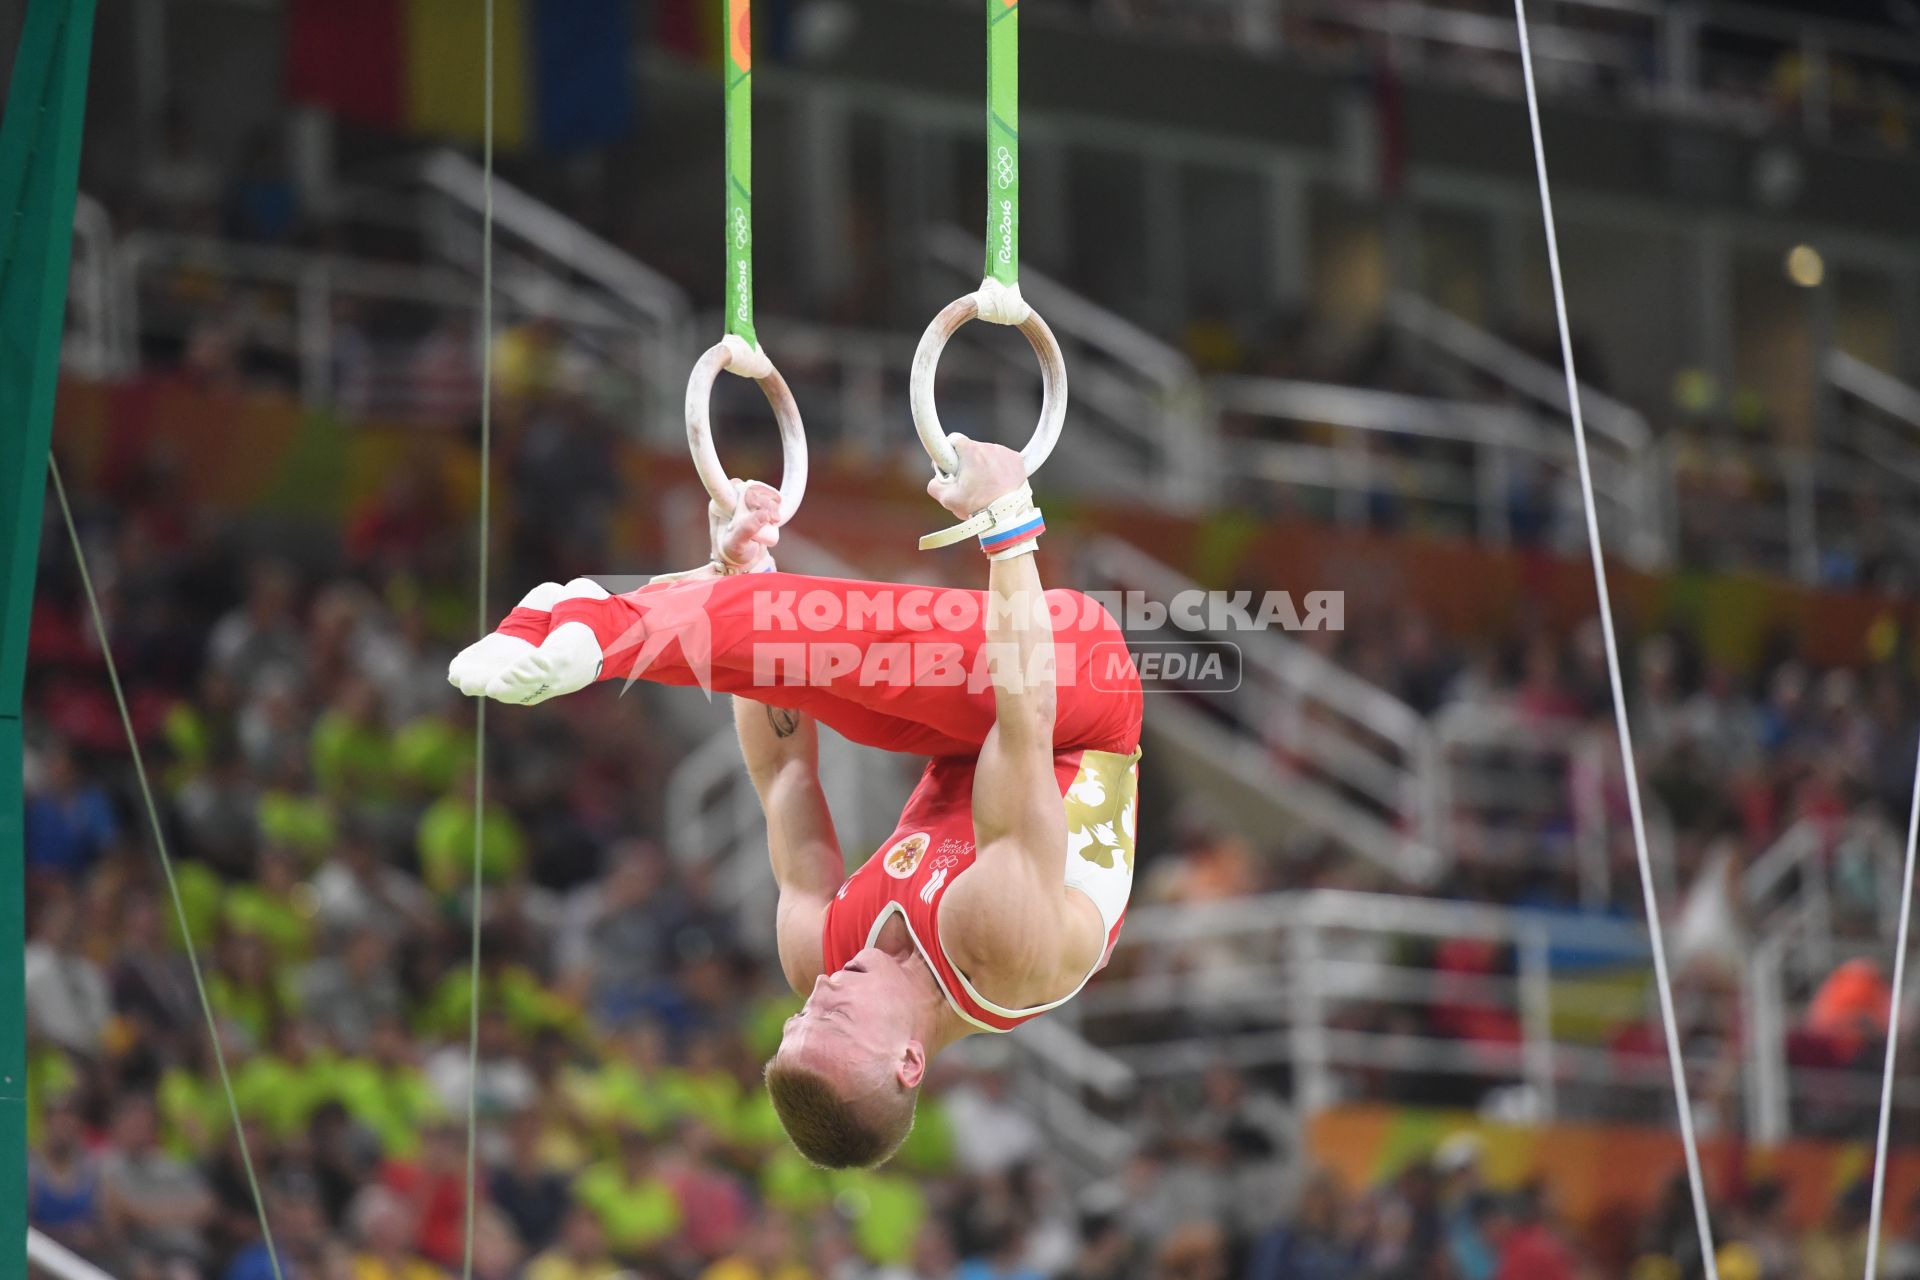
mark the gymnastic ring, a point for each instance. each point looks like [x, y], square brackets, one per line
[744, 361]
[926, 362]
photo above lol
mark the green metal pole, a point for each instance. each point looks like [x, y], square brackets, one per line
[39, 170]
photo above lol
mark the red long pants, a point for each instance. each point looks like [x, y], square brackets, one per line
[883, 664]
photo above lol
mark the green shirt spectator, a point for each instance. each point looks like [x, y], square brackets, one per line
[929, 1145]
[276, 909]
[189, 738]
[622, 1094]
[711, 1096]
[886, 1213]
[350, 750]
[201, 894]
[636, 1207]
[431, 752]
[303, 823]
[281, 1094]
[393, 1102]
[792, 1186]
[766, 1022]
[517, 992]
[445, 842]
[50, 1074]
[193, 1112]
[756, 1124]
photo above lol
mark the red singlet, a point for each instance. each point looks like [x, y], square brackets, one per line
[933, 846]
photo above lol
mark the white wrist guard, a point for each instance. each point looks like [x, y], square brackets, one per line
[1009, 527]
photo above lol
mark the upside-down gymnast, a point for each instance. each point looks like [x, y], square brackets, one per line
[1002, 889]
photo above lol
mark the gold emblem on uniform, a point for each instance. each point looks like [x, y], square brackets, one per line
[904, 857]
[1100, 810]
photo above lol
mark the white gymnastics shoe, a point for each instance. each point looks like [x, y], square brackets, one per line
[566, 662]
[475, 666]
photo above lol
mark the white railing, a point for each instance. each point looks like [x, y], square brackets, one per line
[1889, 434]
[1359, 761]
[1320, 983]
[1820, 516]
[1337, 440]
[540, 251]
[1829, 881]
[1626, 480]
[47, 1256]
[1316, 982]
[286, 302]
[1505, 785]
[90, 348]
[1788, 1097]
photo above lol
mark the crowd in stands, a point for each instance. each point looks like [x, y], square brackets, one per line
[313, 775]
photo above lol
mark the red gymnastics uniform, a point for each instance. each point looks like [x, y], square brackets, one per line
[899, 668]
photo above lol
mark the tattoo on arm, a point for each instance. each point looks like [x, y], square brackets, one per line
[785, 723]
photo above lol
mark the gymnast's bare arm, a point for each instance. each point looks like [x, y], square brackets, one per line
[1015, 925]
[782, 751]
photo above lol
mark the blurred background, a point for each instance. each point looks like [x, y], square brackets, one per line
[1383, 1006]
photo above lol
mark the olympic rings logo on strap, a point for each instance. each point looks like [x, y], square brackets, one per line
[1006, 168]
[742, 229]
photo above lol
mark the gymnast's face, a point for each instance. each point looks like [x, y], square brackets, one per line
[857, 1026]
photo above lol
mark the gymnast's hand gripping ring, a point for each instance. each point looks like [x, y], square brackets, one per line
[733, 354]
[1000, 305]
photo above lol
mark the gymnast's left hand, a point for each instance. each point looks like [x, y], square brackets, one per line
[988, 472]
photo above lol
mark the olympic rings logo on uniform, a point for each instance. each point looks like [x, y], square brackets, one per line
[1006, 168]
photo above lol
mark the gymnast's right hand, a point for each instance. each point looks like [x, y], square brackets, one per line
[527, 660]
[987, 473]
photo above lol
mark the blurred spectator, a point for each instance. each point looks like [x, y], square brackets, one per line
[1528, 1248]
[262, 204]
[384, 1225]
[1314, 1244]
[533, 1194]
[180, 179]
[716, 1209]
[1838, 1250]
[579, 1254]
[637, 1208]
[1850, 1011]
[156, 1204]
[63, 1182]
[1457, 1162]
[442, 375]
[262, 636]
[352, 990]
[431, 1193]
[70, 823]
[67, 995]
[299, 1238]
[766, 1253]
[990, 1135]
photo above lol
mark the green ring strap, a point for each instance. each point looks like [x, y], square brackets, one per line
[737, 67]
[1003, 141]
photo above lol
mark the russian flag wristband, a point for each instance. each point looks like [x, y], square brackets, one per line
[1017, 536]
[1010, 526]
